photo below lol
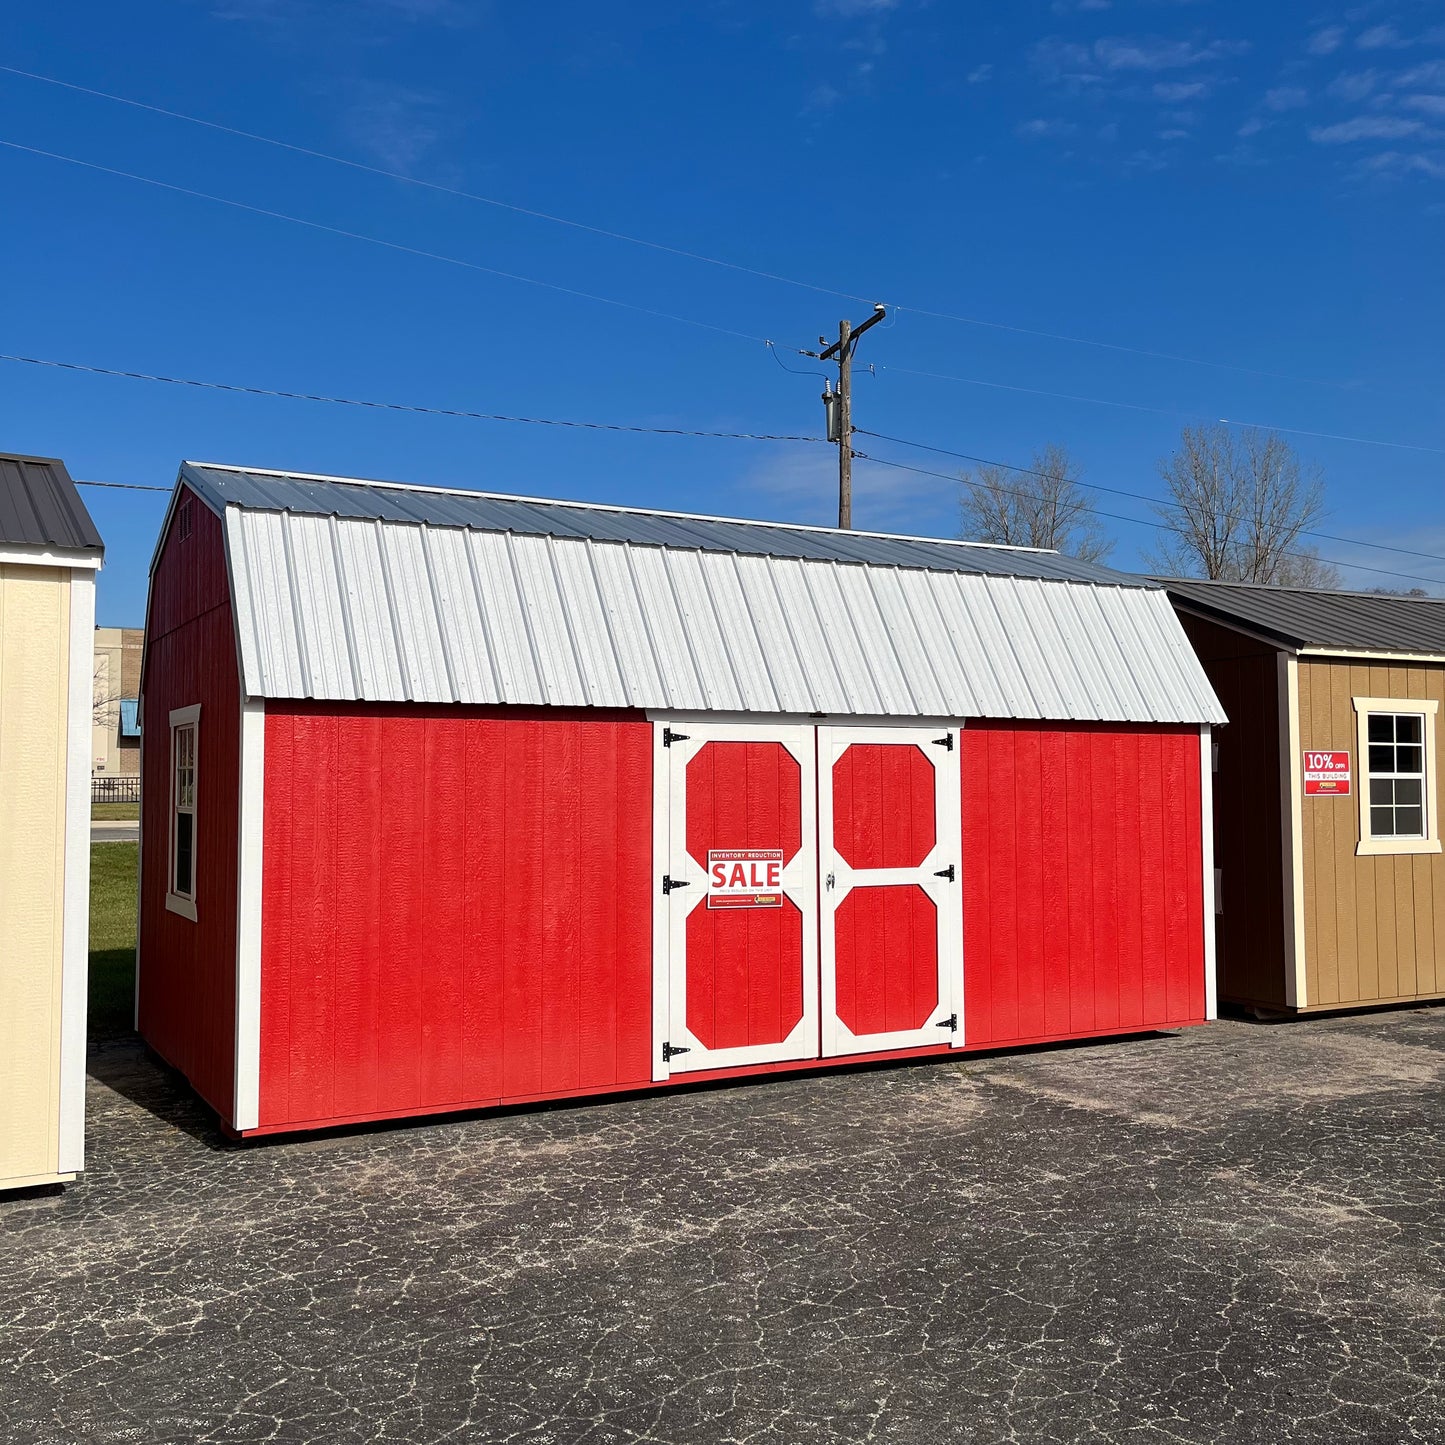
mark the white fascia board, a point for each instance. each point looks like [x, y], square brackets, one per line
[15, 554]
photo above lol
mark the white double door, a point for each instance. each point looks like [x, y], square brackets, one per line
[810, 892]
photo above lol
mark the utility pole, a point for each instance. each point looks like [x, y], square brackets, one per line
[839, 405]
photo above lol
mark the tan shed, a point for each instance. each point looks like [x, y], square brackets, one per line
[1330, 881]
[49, 554]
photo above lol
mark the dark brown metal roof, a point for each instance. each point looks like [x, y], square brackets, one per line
[40, 507]
[1299, 617]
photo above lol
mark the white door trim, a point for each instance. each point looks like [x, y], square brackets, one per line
[839, 879]
[689, 879]
[250, 856]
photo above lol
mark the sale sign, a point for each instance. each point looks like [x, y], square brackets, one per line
[744, 877]
[1327, 775]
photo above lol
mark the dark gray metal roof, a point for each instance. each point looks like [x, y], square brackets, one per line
[392, 502]
[1349, 621]
[40, 507]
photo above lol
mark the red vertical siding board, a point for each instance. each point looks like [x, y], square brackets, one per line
[1029, 804]
[484, 918]
[1157, 872]
[443, 837]
[1054, 881]
[277, 934]
[975, 764]
[562, 937]
[1107, 900]
[636, 895]
[1190, 961]
[1080, 850]
[402, 890]
[524, 901]
[1004, 886]
[597, 910]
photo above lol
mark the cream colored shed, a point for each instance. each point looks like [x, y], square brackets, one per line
[49, 554]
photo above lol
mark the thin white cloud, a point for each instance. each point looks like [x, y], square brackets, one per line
[1152, 53]
[1407, 163]
[1326, 41]
[979, 74]
[1038, 128]
[1071, 7]
[1353, 85]
[1286, 97]
[1428, 104]
[1430, 72]
[1380, 37]
[1252, 126]
[1177, 90]
[1366, 127]
[850, 9]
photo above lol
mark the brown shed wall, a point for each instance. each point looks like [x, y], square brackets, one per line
[1248, 827]
[1374, 926]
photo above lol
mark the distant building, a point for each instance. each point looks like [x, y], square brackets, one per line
[115, 727]
[49, 553]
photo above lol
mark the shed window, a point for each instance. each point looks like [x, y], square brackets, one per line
[185, 753]
[1398, 808]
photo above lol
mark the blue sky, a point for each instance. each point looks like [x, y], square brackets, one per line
[1258, 187]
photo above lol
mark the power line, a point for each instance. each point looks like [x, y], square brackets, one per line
[1135, 496]
[126, 486]
[649, 244]
[666, 431]
[1143, 522]
[1159, 410]
[378, 241]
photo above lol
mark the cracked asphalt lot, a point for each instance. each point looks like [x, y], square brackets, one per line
[1235, 1234]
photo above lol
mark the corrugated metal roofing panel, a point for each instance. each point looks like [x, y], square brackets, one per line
[1299, 617]
[355, 609]
[40, 506]
[317, 496]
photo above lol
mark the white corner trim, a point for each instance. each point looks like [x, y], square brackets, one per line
[661, 932]
[74, 558]
[250, 858]
[1206, 821]
[1368, 846]
[1296, 988]
[75, 935]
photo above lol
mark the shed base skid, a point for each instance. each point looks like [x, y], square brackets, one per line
[692, 1080]
[1281, 1011]
[35, 1181]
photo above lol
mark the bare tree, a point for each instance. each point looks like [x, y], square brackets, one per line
[1042, 507]
[1239, 505]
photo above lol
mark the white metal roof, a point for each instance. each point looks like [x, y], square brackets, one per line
[347, 608]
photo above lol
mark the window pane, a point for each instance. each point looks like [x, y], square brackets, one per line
[1382, 758]
[1407, 727]
[1409, 822]
[1382, 791]
[185, 823]
[1382, 727]
[1410, 758]
[1410, 791]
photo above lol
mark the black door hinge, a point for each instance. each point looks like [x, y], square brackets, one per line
[946, 873]
[946, 741]
[669, 737]
[669, 883]
[671, 1051]
[950, 1023]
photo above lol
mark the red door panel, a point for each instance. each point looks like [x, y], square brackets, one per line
[886, 959]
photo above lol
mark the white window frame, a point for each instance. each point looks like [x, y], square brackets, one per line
[1369, 845]
[183, 903]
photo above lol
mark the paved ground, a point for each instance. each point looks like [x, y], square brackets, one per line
[1236, 1235]
[114, 830]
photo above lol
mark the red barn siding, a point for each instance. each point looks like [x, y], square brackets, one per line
[1083, 881]
[187, 998]
[457, 908]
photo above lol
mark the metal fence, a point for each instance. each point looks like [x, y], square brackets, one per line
[115, 790]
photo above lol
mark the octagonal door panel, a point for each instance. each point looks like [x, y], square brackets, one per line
[891, 910]
[736, 826]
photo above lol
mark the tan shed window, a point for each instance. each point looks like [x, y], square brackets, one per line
[181, 883]
[1399, 811]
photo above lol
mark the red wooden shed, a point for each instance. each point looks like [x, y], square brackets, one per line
[454, 799]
